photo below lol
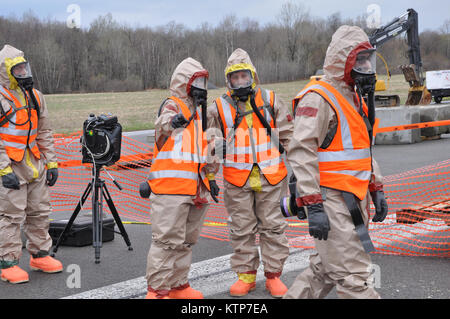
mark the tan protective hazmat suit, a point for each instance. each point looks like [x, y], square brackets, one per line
[176, 219]
[340, 261]
[30, 205]
[255, 207]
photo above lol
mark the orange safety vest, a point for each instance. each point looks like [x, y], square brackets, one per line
[346, 164]
[251, 146]
[21, 131]
[176, 167]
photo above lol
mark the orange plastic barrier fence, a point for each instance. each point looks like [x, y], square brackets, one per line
[74, 178]
[417, 224]
[419, 213]
[411, 126]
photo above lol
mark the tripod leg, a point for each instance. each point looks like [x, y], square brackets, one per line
[116, 216]
[72, 218]
[97, 220]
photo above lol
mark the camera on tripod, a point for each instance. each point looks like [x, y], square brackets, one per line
[101, 140]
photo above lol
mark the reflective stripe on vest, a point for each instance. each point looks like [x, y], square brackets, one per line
[176, 167]
[347, 163]
[364, 175]
[16, 138]
[173, 174]
[345, 129]
[19, 146]
[250, 146]
[346, 155]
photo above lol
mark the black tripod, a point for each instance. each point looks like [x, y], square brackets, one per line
[100, 191]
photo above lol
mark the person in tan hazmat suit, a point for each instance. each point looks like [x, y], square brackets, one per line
[27, 168]
[254, 173]
[330, 154]
[180, 182]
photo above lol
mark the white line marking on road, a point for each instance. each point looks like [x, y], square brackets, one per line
[211, 277]
[214, 276]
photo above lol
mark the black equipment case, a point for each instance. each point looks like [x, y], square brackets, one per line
[80, 234]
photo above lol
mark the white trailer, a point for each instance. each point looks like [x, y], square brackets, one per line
[438, 83]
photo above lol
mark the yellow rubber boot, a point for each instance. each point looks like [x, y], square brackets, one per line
[245, 284]
[14, 275]
[46, 264]
[274, 285]
[185, 292]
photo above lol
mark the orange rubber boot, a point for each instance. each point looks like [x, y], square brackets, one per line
[46, 264]
[274, 285]
[14, 275]
[185, 292]
[245, 284]
[157, 294]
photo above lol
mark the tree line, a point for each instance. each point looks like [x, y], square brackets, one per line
[109, 56]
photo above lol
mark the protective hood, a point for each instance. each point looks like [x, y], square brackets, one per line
[240, 60]
[9, 57]
[341, 54]
[183, 76]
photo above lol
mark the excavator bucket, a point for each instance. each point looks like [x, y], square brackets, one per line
[418, 96]
[418, 93]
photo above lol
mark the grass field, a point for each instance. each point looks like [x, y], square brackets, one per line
[137, 110]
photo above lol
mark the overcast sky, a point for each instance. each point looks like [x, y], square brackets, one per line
[192, 13]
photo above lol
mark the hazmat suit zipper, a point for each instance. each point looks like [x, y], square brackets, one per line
[249, 120]
[255, 176]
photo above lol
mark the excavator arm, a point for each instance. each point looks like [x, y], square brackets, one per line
[409, 23]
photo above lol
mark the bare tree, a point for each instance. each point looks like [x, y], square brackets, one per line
[229, 28]
[51, 57]
[108, 56]
[291, 17]
[445, 30]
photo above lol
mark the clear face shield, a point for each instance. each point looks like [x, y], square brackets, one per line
[240, 79]
[364, 71]
[366, 62]
[199, 90]
[200, 83]
[22, 73]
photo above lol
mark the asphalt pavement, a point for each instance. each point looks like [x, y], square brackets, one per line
[399, 277]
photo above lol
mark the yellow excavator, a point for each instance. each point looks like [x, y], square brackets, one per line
[409, 23]
[380, 85]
